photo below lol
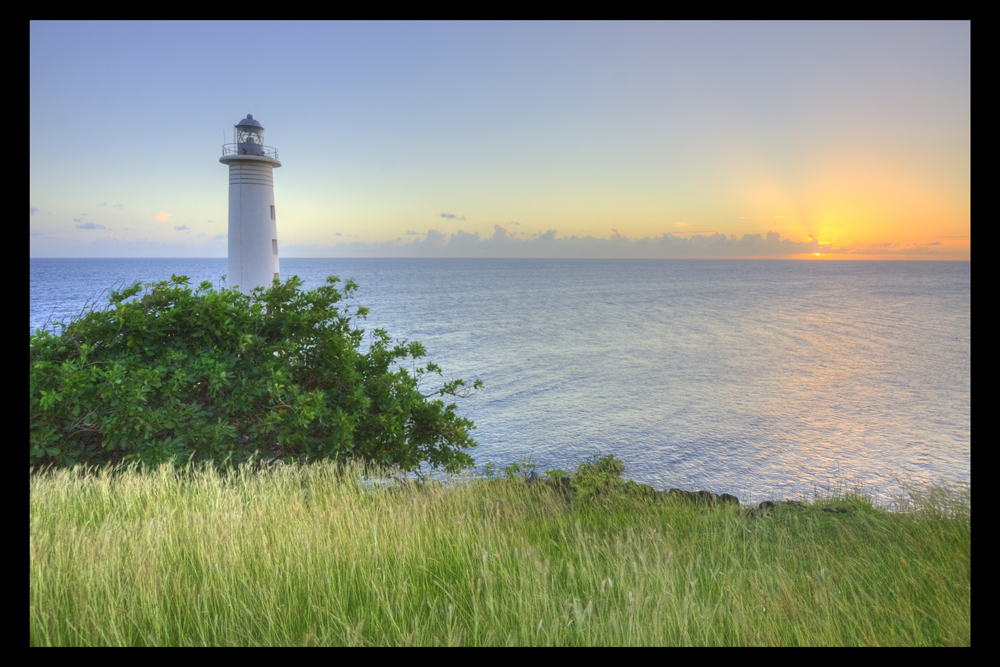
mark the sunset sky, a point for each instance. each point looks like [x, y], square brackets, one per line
[778, 140]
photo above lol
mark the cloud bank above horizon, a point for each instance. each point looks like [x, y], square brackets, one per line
[504, 243]
[507, 244]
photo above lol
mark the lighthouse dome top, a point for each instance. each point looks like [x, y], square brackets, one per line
[249, 122]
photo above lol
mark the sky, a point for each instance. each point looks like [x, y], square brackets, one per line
[620, 140]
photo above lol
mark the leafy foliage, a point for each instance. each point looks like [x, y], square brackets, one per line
[598, 478]
[180, 375]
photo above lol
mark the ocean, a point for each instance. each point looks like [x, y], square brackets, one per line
[764, 379]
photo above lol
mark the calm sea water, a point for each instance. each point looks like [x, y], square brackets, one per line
[758, 378]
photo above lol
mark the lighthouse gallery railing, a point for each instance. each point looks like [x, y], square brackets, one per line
[265, 151]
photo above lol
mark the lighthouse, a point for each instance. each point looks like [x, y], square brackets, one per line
[253, 227]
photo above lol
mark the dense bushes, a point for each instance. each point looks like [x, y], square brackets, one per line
[180, 375]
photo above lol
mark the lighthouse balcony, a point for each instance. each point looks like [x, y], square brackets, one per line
[249, 149]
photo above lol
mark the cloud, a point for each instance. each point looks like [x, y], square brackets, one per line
[504, 243]
[452, 216]
[682, 224]
[162, 217]
[90, 225]
[32, 210]
[501, 235]
[434, 237]
[463, 237]
[181, 228]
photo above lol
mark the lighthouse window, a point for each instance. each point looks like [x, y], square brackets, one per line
[272, 211]
[274, 246]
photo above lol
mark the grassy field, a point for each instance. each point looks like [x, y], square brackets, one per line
[310, 556]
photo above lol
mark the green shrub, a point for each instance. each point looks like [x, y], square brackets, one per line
[598, 476]
[180, 375]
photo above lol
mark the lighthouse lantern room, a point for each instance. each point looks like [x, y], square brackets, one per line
[253, 227]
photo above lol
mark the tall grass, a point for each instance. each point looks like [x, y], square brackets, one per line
[311, 556]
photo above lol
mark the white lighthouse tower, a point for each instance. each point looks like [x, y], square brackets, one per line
[253, 228]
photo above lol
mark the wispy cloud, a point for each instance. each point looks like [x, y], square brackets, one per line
[90, 225]
[452, 216]
[162, 217]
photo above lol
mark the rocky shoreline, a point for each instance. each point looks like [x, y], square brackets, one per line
[705, 498]
[762, 510]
